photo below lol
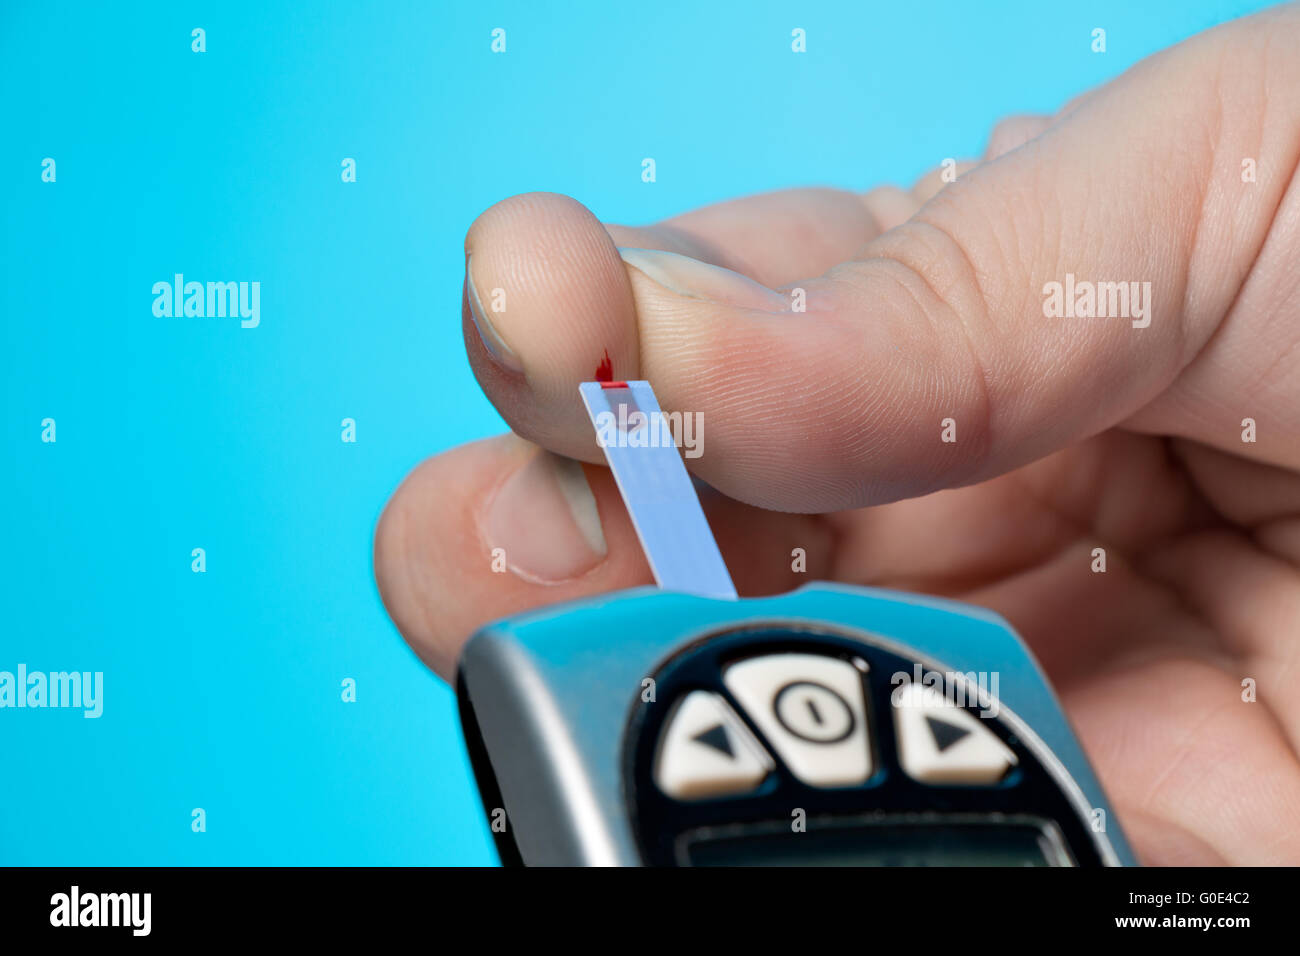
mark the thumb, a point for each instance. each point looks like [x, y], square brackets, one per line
[983, 333]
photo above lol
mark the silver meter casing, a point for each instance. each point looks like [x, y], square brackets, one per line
[551, 702]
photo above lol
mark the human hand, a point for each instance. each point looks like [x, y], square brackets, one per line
[1072, 433]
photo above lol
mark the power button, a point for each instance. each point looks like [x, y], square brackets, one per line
[812, 710]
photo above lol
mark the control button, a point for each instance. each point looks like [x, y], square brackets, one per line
[813, 712]
[811, 708]
[939, 742]
[706, 751]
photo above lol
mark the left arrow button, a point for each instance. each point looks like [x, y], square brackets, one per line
[707, 751]
[716, 737]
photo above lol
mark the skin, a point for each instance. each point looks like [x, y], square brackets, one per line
[1073, 434]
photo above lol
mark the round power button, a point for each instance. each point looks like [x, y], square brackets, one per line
[813, 712]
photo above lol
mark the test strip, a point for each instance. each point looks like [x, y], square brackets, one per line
[656, 488]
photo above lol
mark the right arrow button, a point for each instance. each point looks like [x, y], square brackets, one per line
[941, 743]
[944, 733]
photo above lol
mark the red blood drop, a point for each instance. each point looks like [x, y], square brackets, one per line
[605, 370]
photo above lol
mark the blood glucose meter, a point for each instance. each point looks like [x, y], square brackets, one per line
[833, 725]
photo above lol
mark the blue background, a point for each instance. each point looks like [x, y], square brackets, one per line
[222, 690]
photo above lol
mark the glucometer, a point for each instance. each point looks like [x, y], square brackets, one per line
[836, 725]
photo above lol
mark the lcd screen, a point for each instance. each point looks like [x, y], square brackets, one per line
[882, 844]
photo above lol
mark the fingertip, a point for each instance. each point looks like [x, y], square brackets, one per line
[547, 305]
[552, 286]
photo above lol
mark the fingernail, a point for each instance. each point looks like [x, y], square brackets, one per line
[545, 520]
[487, 332]
[691, 277]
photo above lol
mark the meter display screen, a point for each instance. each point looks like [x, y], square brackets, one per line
[882, 844]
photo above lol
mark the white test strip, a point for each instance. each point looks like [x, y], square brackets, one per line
[656, 489]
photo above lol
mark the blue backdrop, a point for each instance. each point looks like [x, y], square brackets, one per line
[222, 689]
